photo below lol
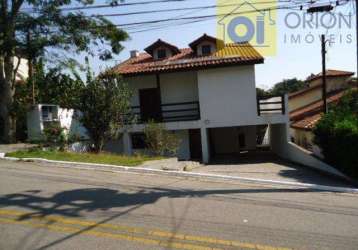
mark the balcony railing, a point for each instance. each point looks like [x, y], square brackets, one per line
[170, 112]
[271, 105]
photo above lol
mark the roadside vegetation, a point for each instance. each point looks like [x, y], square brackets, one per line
[160, 141]
[337, 134]
[103, 103]
[45, 34]
[102, 158]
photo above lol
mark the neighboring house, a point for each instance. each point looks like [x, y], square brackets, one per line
[206, 94]
[22, 72]
[306, 106]
[42, 115]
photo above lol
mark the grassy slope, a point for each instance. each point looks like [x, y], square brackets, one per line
[103, 158]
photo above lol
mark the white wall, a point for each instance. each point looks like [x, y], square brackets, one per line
[140, 82]
[228, 96]
[22, 73]
[290, 151]
[179, 87]
[174, 87]
[70, 122]
[66, 117]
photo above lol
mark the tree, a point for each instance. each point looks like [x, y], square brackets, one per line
[287, 86]
[103, 103]
[261, 92]
[337, 134]
[55, 87]
[44, 30]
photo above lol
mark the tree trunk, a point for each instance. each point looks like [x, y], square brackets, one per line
[98, 145]
[7, 70]
[7, 123]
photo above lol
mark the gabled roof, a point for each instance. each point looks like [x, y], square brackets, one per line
[307, 123]
[303, 91]
[330, 73]
[186, 59]
[306, 118]
[160, 43]
[203, 38]
[316, 106]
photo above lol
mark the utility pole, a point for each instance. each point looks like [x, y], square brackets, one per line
[325, 8]
[324, 78]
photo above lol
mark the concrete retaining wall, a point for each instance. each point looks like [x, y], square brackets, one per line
[281, 146]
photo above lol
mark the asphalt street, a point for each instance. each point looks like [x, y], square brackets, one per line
[46, 207]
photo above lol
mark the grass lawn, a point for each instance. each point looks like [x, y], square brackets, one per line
[103, 158]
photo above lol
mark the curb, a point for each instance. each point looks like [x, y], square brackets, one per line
[121, 169]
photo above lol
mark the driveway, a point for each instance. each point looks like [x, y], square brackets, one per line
[265, 165]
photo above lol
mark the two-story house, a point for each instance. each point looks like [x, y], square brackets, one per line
[205, 93]
[306, 105]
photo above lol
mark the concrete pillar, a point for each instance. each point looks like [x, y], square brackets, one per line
[279, 139]
[205, 145]
[127, 144]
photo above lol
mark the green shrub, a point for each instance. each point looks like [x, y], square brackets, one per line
[337, 135]
[55, 135]
[159, 140]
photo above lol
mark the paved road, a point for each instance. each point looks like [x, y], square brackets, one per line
[57, 208]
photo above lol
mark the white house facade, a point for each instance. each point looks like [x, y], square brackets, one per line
[206, 94]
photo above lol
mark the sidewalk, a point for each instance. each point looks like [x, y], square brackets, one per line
[191, 175]
[7, 148]
[276, 170]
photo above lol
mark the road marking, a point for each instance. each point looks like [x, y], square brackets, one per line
[100, 234]
[127, 229]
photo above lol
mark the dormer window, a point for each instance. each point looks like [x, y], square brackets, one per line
[160, 50]
[205, 45]
[162, 53]
[206, 50]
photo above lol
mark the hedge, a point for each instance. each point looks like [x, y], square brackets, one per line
[337, 134]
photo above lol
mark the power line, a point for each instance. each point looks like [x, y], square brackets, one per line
[211, 16]
[196, 19]
[299, 5]
[166, 26]
[98, 6]
[183, 9]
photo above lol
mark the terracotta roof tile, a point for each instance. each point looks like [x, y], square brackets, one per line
[307, 123]
[314, 107]
[308, 116]
[331, 73]
[230, 54]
